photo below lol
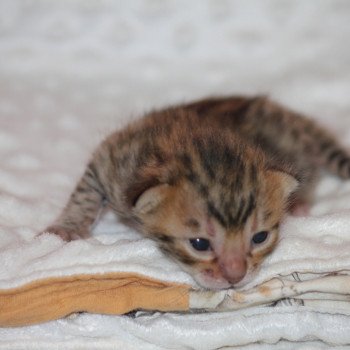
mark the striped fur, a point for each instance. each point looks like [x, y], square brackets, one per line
[220, 169]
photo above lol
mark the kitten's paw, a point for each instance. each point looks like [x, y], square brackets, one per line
[66, 234]
[300, 209]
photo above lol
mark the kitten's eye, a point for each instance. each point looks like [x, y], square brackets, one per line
[260, 237]
[200, 244]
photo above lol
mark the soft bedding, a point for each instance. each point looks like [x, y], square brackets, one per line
[73, 71]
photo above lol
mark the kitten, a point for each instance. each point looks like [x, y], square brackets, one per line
[210, 181]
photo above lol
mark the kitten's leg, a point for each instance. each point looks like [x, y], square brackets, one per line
[300, 201]
[82, 208]
[299, 206]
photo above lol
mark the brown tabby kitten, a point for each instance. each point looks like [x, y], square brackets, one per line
[210, 181]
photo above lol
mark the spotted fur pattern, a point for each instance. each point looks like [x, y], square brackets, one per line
[209, 174]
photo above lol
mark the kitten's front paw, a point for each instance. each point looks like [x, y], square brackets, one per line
[66, 234]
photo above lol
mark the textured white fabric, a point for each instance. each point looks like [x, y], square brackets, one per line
[72, 71]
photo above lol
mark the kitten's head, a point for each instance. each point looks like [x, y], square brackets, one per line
[219, 238]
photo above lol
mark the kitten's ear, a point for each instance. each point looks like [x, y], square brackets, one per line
[282, 180]
[151, 198]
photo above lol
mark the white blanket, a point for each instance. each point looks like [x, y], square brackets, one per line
[72, 71]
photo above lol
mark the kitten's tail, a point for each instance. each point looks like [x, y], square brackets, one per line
[307, 138]
[331, 154]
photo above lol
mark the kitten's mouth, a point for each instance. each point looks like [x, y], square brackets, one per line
[211, 282]
[249, 277]
[215, 285]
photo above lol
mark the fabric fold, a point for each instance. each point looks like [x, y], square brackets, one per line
[111, 293]
[329, 291]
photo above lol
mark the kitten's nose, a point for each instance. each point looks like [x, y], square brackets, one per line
[234, 268]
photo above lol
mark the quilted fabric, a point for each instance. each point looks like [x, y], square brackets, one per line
[72, 71]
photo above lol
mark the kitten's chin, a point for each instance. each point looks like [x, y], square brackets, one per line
[210, 283]
[207, 282]
[249, 277]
